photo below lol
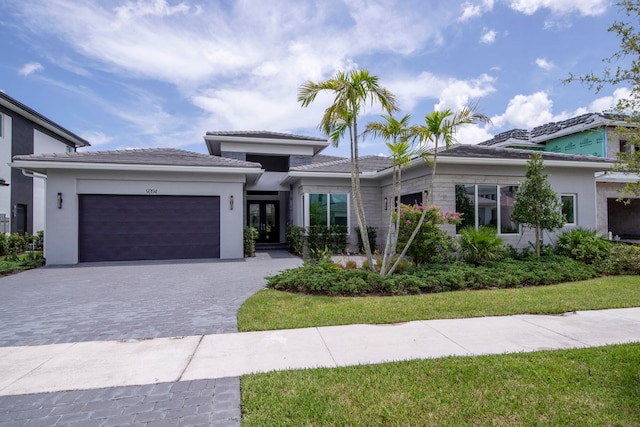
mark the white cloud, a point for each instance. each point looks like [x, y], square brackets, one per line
[529, 111]
[30, 68]
[561, 7]
[473, 10]
[97, 138]
[488, 37]
[607, 103]
[149, 8]
[526, 111]
[544, 64]
[449, 92]
[473, 134]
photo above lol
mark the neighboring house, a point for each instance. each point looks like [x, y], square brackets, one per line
[25, 131]
[589, 134]
[173, 204]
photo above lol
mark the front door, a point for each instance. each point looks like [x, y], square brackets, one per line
[263, 216]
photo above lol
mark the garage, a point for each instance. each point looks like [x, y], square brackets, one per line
[147, 227]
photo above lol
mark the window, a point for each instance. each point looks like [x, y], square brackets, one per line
[486, 205]
[1, 126]
[327, 209]
[626, 147]
[270, 163]
[569, 208]
[411, 199]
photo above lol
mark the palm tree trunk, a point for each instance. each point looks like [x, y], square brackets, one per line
[392, 231]
[425, 206]
[357, 194]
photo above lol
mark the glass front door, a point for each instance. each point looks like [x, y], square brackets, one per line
[263, 216]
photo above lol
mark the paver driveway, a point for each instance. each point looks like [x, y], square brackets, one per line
[113, 301]
[136, 300]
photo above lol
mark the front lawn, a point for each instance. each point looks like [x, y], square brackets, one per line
[269, 309]
[583, 387]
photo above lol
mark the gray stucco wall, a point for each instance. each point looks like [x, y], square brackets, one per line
[61, 243]
[580, 182]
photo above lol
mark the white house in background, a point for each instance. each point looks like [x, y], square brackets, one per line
[173, 204]
[25, 131]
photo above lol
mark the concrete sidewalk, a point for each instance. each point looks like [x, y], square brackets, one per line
[88, 365]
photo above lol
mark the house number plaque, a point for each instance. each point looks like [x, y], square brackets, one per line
[152, 191]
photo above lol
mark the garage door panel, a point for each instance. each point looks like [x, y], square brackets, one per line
[119, 227]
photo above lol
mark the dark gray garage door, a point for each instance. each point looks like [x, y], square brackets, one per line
[124, 228]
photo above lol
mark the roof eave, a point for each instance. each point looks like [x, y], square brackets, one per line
[213, 142]
[292, 175]
[483, 161]
[44, 166]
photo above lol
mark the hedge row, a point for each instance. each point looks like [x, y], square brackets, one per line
[323, 279]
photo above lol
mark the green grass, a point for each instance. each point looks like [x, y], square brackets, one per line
[269, 309]
[584, 387]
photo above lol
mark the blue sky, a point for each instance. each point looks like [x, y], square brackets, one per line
[161, 73]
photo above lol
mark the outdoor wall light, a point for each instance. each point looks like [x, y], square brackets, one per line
[386, 204]
[231, 202]
[59, 200]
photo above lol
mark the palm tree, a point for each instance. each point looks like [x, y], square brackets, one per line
[399, 136]
[352, 90]
[440, 127]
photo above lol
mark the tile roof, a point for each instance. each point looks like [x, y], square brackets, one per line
[323, 158]
[548, 131]
[478, 151]
[519, 134]
[142, 156]
[265, 134]
[343, 165]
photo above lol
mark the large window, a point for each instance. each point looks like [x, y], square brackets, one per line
[327, 209]
[569, 208]
[486, 205]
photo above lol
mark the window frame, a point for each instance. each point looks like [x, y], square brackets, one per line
[573, 196]
[498, 195]
[306, 198]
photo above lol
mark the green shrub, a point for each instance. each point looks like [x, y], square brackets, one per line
[16, 243]
[583, 245]
[431, 244]
[249, 236]
[322, 277]
[37, 241]
[3, 244]
[622, 259]
[321, 239]
[295, 240]
[372, 234]
[481, 245]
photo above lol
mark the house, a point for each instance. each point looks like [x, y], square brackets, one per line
[173, 204]
[25, 131]
[588, 134]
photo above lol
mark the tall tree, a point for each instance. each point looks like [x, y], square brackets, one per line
[536, 205]
[626, 72]
[398, 135]
[439, 129]
[351, 92]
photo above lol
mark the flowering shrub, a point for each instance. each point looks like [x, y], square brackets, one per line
[432, 244]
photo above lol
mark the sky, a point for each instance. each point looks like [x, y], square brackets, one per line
[161, 73]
